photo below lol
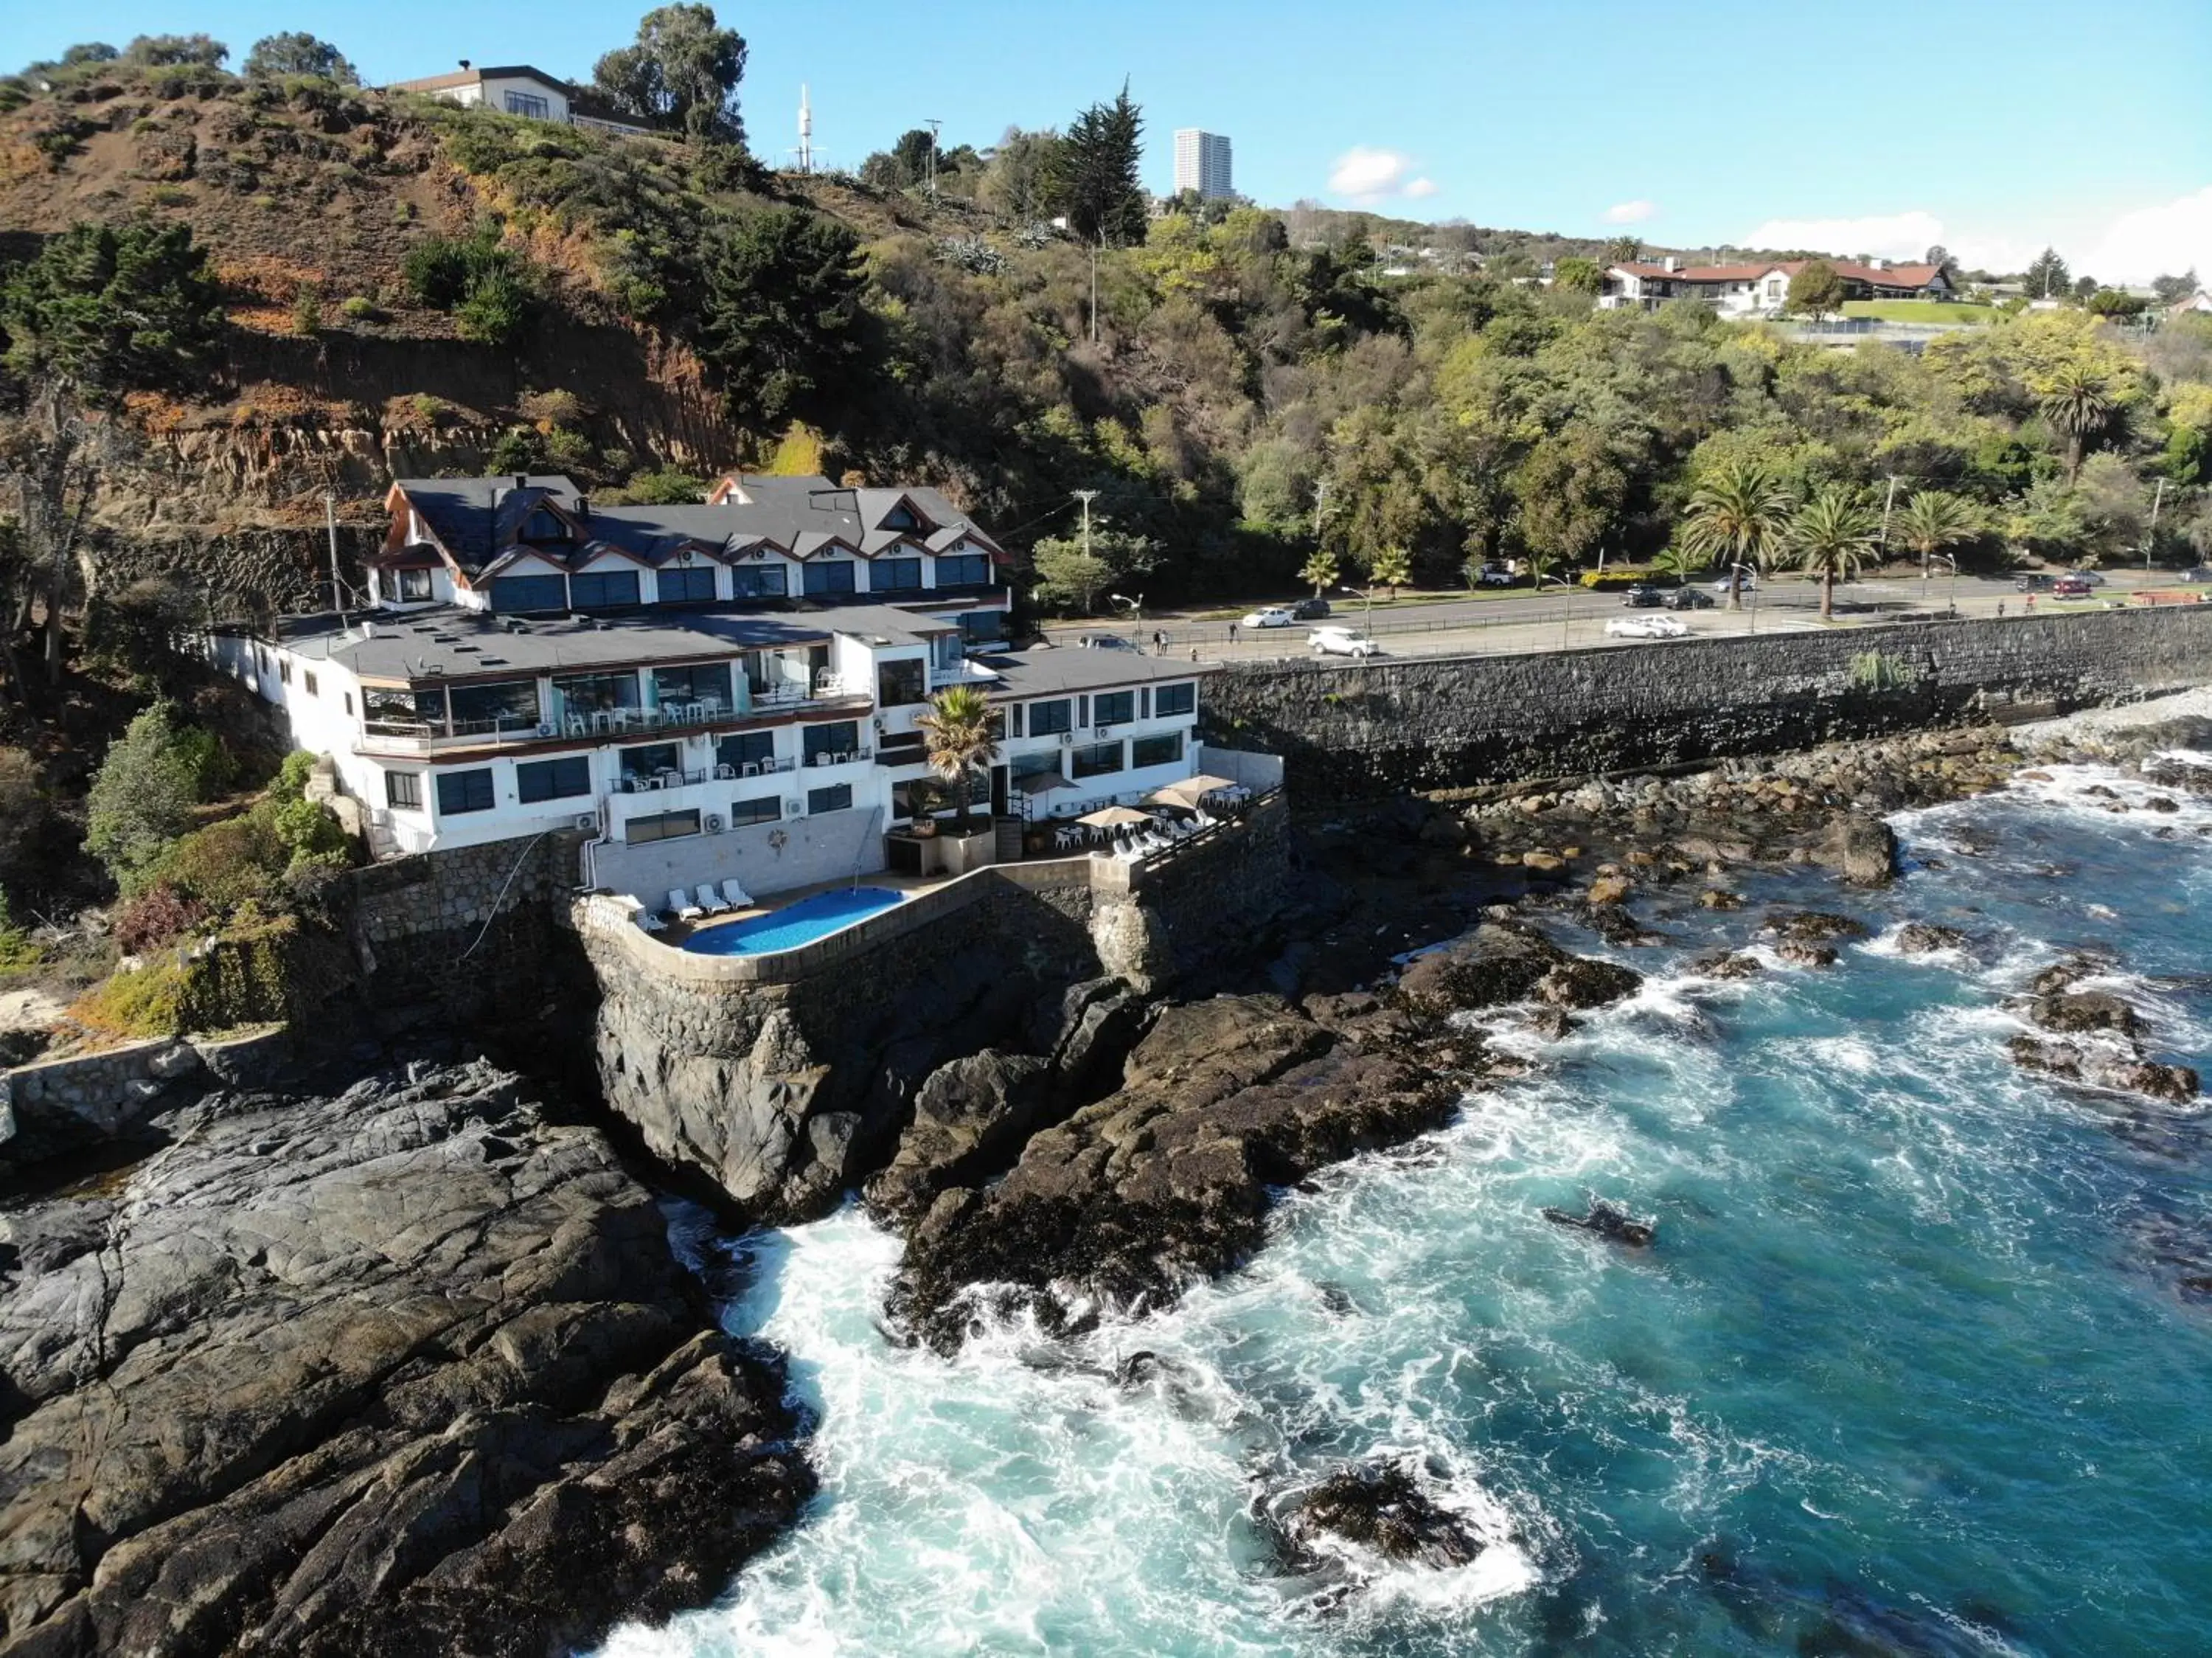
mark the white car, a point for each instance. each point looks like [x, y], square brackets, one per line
[1492, 577]
[1645, 627]
[1750, 583]
[1341, 642]
[1271, 616]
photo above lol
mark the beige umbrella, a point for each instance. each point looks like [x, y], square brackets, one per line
[1189, 791]
[1113, 817]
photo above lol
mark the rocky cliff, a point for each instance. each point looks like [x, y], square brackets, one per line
[410, 1369]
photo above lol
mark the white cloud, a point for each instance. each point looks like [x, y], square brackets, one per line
[2154, 242]
[1629, 212]
[1366, 174]
[1882, 236]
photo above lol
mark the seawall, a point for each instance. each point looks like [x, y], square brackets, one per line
[1349, 730]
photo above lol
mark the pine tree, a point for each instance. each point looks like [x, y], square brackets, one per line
[1095, 173]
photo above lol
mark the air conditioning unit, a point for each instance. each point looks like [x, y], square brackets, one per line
[587, 823]
[1067, 740]
[795, 808]
[1103, 731]
[544, 730]
[712, 823]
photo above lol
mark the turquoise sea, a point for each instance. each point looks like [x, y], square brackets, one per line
[1916, 1365]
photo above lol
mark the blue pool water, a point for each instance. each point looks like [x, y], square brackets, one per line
[1921, 1362]
[786, 929]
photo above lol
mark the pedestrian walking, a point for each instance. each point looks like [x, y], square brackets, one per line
[1232, 633]
[1160, 642]
[2000, 609]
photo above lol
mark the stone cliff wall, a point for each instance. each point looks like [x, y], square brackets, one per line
[1348, 730]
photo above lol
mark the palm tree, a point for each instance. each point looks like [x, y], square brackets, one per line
[1540, 563]
[1680, 562]
[2077, 401]
[1832, 535]
[1320, 571]
[1736, 517]
[1934, 520]
[1391, 569]
[960, 739]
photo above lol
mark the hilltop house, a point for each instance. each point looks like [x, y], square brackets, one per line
[1761, 288]
[724, 690]
[518, 89]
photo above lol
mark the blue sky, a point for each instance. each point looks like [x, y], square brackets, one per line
[1993, 127]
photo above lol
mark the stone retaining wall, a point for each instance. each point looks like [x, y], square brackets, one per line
[60, 1105]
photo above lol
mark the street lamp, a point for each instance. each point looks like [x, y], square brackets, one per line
[1366, 608]
[1737, 571]
[1954, 564]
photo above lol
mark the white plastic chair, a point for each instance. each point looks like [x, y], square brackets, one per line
[709, 901]
[735, 894]
[681, 907]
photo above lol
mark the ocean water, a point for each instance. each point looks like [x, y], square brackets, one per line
[1912, 1367]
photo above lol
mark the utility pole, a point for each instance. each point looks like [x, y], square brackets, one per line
[330, 523]
[932, 123]
[2150, 536]
[1320, 497]
[1086, 497]
[1094, 293]
[1888, 502]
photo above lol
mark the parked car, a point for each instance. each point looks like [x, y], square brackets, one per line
[2091, 577]
[1643, 596]
[1689, 599]
[1645, 627]
[2035, 580]
[1496, 575]
[1749, 584]
[1109, 642]
[1341, 642]
[1309, 610]
[2201, 573]
[2071, 586]
[1273, 616]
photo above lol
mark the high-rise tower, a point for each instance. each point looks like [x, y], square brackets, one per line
[1201, 164]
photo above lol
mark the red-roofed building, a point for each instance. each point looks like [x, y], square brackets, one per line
[1760, 288]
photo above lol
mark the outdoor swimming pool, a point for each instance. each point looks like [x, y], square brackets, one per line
[801, 924]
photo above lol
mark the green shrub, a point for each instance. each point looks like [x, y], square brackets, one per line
[1616, 577]
[18, 950]
[497, 310]
[1877, 670]
[658, 489]
[238, 860]
[145, 1000]
[437, 271]
[290, 782]
[169, 195]
[307, 310]
[141, 800]
[354, 307]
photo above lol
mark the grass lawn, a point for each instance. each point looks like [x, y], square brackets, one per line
[1920, 310]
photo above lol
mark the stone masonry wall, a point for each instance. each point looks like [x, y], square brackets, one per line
[1348, 730]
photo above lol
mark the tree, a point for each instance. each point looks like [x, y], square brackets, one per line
[1736, 517]
[1815, 291]
[2047, 276]
[2077, 402]
[298, 52]
[1938, 255]
[2116, 303]
[1321, 572]
[1623, 250]
[1934, 520]
[141, 800]
[780, 315]
[1569, 493]
[1094, 177]
[1832, 534]
[104, 309]
[1577, 276]
[958, 737]
[902, 167]
[156, 50]
[1018, 174]
[1072, 571]
[2172, 291]
[1392, 568]
[682, 72]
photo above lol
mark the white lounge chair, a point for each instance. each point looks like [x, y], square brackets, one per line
[647, 921]
[736, 895]
[709, 900]
[681, 908]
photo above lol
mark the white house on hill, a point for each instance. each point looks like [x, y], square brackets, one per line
[1760, 288]
[517, 89]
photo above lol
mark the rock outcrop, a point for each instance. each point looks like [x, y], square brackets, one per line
[1382, 1510]
[409, 1370]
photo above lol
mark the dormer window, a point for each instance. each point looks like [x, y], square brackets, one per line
[900, 517]
[543, 525]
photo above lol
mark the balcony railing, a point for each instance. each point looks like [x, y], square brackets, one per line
[419, 735]
[641, 783]
[840, 757]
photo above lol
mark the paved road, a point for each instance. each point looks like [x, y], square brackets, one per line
[1574, 618]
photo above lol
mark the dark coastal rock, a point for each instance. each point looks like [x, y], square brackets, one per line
[1727, 963]
[1719, 898]
[2072, 1012]
[1505, 961]
[1168, 1179]
[969, 1118]
[1584, 983]
[1553, 1024]
[2121, 1069]
[410, 1370]
[1862, 848]
[1380, 1509]
[1925, 937]
[1814, 926]
[1607, 1221]
[1801, 954]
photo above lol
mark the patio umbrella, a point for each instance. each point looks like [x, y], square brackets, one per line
[1113, 817]
[1189, 791]
[1041, 783]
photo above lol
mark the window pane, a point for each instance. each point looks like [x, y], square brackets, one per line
[1175, 700]
[900, 683]
[603, 589]
[762, 808]
[507, 705]
[1047, 718]
[968, 570]
[894, 574]
[515, 592]
[709, 685]
[832, 577]
[660, 825]
[592, 693]
[745, 748]
[758, 581]
[677, 586]
[542, 780]
[650, 760]
[839, 799]
[839, 737]
[1114, 707]
[464, 791]
[403, 789]
[1157, 751]
[1096, 760]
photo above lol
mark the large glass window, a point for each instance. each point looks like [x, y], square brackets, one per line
[901, 682]
[1175, 700]
[522, 592]
[829, 576]
[528, 103]
[678, 586]
[391, 712]
[1114, 708]
[502, 706]
[660, 825]
[838, 737]
[403, 790]
[464, 791]
[707, 684]
[603, 589]
[561, 779]
[581, 696]
[1048, 718]
[652, 760]
[744, 748]
[894, 575]
[760, 809]
[837, 799]
[1155, 751]
[758, 581]
[967, 570]
[1096, 760]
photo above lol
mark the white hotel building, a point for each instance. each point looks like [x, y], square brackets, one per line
[706, 691]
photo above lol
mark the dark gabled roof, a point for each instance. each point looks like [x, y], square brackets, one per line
[475, 518]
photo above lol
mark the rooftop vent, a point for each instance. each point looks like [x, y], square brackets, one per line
[522, 480]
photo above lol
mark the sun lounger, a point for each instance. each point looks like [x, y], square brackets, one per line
[736, 895]
[681, 908]
[709, 900]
